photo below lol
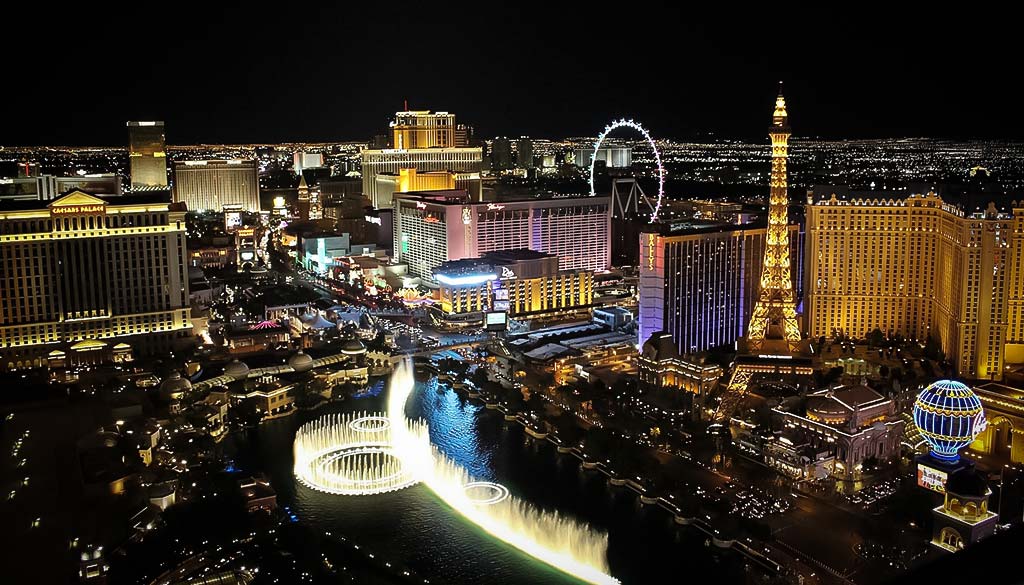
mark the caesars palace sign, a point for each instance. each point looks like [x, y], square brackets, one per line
[78, 209]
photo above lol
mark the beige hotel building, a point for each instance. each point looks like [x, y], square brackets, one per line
[85, 275]
[426, 142]
[919, 267]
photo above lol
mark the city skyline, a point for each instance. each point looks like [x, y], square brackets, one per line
[456, 350]
[559, 72]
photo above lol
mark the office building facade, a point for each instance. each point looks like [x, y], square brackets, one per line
[434, 227]
[918, 267]
[83, 272]
[147, 155]
[214, 184]
[699, 283]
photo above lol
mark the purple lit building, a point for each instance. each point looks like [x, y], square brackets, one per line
[698, 281]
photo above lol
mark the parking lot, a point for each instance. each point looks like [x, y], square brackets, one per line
[874, 494]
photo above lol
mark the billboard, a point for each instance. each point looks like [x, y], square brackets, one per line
[499, 296]
[496, 321]
[931, 478]
[232, 217]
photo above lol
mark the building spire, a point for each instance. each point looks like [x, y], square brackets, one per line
[780, 119]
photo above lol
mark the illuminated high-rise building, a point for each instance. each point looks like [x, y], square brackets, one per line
[425, 142]
[423, 129]
[775, 310]
[699, 282]
[84, 273]
[147, 156]
[214, 184]
[436, 226]
[302, 160]
[918, 267]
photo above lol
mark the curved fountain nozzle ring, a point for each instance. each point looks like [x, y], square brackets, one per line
[496, 492]
[349, 455]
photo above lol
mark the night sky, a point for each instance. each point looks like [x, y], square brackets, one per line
[330, 71]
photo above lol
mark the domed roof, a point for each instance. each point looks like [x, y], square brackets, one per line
[161, 490]
[949, 416]
[236, 370]
[174, 386]
[301, 361]
[826, 405]
[353, 347]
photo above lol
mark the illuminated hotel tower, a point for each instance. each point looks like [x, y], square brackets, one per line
[82, 276]
[775, 311]
[147, 158]
[423, 141]
[423, 129]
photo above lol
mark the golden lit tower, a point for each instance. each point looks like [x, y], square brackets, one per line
[775, 311]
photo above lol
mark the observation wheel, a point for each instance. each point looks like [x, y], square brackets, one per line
[623, 123]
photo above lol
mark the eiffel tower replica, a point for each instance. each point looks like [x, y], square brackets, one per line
[773, 335]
